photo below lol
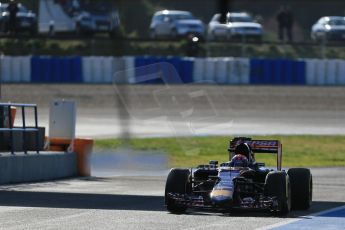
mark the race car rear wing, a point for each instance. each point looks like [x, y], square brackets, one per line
[259, 146]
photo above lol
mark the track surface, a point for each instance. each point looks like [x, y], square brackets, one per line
[136, 202]
[193, 110]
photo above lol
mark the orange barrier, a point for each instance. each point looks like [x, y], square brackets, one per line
[83, 149]
[59, 144]
[13, 114]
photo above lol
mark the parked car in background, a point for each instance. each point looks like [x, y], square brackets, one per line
[175, 24]
[237, 26]
[26, 19]
[329, 28]
[97, 18]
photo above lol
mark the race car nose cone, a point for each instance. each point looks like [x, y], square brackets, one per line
[221, 195]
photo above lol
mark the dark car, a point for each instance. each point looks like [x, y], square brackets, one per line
[97, 18]
[240, 184]
[26, 19]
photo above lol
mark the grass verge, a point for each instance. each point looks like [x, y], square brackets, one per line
[298, 151]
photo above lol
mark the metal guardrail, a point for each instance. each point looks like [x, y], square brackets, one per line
[24, 128]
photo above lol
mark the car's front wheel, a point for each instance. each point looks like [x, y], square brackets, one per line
[177, 183]
[277, 185]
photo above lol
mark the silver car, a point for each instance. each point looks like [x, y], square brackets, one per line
[329, 28]
[174, 24]
[237, 25]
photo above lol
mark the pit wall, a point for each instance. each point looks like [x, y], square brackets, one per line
[21, 168]
[49, 69]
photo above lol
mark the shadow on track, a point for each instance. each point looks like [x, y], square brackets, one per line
[124, 202]
[317, 206]
[81, 201]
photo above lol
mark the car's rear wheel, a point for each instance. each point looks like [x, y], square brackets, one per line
[277, 185]
[177, 183]
[301, 188]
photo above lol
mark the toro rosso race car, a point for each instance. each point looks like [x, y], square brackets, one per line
[241, 183]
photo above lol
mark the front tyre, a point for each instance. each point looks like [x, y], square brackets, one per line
[301, 188]
[178, 183]
[277, 185]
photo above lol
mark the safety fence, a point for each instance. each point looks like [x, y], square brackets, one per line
[228, 70]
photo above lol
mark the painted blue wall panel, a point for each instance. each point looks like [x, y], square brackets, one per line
[77, 70]
[301, 73]
[256, 71]
[146, 72]
[169, 74]
[46, 67]
[35, 70]
[289, 73]
[281, 72]
[267, 77]
[56, 70]
[277, 72]
[173, 70]
[279, 75]
[187, 71]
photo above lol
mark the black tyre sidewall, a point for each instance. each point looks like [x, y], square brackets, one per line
[277, 185]
[301, 188]
[177, 182]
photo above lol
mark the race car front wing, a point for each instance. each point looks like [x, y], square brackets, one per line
[247, 203]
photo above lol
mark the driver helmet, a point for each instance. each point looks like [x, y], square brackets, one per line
[243, 149]
[239, 160]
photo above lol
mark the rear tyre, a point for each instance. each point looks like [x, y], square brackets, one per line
[301, 188]
[277, 185]
[177, 182]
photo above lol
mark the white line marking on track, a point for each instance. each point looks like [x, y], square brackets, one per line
[301, 218]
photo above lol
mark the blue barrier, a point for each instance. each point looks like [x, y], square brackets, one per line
[172, 70]
[34, 69]
[56, 70]
[187, 71]
[277, 72]
[256, 71]
[175, 70]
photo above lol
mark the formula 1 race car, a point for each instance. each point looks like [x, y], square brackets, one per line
[241, 183]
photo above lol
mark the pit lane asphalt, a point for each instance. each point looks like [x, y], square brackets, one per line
[136, 202]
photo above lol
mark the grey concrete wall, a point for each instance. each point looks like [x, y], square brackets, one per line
[34, 167]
